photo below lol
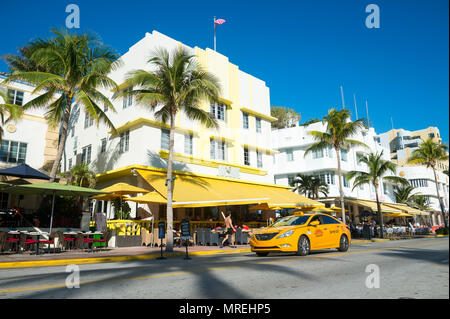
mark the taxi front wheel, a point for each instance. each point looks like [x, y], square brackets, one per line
[343, 243]
[303, 246]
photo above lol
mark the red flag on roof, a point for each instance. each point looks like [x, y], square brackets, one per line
[219, 21]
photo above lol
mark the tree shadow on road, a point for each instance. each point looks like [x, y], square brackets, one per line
[208, 272]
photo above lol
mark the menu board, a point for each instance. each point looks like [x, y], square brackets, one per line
[161, 230]
[185, 230]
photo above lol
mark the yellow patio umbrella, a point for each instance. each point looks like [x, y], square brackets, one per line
[121, 189]
[264, 206]
[149, 198]
[338, 209]
[124, 189]
[109, 197]
[314, 209]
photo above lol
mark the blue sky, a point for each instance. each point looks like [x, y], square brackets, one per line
[303, 50]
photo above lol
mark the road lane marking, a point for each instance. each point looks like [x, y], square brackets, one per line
[11, 290]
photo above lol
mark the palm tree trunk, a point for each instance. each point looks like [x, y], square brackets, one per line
[380, 216]
[62, 140]
[439, 196]
[341, 190]
[169, 232]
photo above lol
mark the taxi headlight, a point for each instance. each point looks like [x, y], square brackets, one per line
[286, 234]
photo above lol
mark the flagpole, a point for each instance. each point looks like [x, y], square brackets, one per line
[214, 33]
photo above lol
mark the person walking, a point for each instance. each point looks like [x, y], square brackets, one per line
[229, 230]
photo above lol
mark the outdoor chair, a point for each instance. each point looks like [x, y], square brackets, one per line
[50, 241]
[200, 236]
[12, 242]
[207, 234]
[214, 240]
[2, 241]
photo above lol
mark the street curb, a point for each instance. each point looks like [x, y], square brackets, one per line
[100, 260]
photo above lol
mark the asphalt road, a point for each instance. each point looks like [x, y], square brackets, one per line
[394, 269]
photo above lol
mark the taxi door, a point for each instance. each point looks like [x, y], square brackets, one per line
[316, 233]
[332, 231]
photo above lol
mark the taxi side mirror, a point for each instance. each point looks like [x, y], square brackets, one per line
[314, 223]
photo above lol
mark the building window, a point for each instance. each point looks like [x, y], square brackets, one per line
[103, 146]
[13, 152]
[86, 154]
[217, 150]
[188, 144]
[259, 159]
[70, 164]
[165, 139]
[246, 157]
[317, 154]
[258, 125]
[75, 144]
[127, 100]
[218, 111]
[124, 143]
[245, 120]
[329, 152]
[291, 180]
[88, 120]
[326, 177]
[385, 189]
[15, 97]
[72, 131]
[419, 182]
[344, 155]
[358, 159]
[345, 181]
[290, 155]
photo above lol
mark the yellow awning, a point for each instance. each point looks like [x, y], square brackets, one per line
[407, 209]
[192, 190]
[398, 215]
[373, 206]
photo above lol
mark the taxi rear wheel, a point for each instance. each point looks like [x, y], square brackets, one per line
[343, 243]
[261, 254]
[303, 246]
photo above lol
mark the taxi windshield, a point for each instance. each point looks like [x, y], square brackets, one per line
[291, 221]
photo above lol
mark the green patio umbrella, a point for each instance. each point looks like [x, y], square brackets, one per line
[52, 189]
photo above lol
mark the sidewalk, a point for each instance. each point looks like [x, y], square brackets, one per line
[108, 255]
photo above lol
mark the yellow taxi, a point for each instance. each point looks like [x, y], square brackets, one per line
[301, 233]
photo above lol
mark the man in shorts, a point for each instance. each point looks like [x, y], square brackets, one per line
[229, 229]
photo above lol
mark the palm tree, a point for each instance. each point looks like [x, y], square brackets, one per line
[404, 194]
[81, 175]
[421, 202]
[430, 154]
[66, 69]
[302, 184]
[377, 171]
[178, 84]
[8, 112]
[310, 186]
[338, 136]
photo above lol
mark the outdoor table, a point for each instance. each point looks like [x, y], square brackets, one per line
[88, 234]
[38, 235]
[71, 237]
